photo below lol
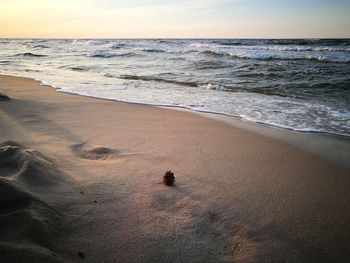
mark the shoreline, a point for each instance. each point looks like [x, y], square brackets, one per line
[333, 147]
[316, 142]
[210, 113]
[239, 195]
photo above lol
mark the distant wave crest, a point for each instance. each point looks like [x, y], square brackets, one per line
[102, 54]
[108, 54]
[150, 50]
[88, 42]
[38, 46]
[338, 54]
[153, 50]
[267, 56]
[116, 45]
[41, 46]
[260, 55]
[284, 42]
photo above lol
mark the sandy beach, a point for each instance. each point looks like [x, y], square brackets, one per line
[80, 181]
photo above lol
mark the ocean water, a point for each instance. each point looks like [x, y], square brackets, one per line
[301, 84]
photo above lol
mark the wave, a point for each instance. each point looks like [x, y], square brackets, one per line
[35, 45]
[266, 53]
[29, 54]
[301, 42]
[33, 41]
[211, 64]
[156, 79]
[40, 46]
[74, 67]
[150, 50]
[108, 54]
[298, 48]
[278, 56]
[208, 85]
[326, 59]
[127, 54]
[116, 46]
[346, 49]
[31, 70]
[102, 54]
[270, 75]
[213, 53]
[153, 50]
[261, 46]
[314, 42]
[78, 68]
[251, 46]
[200, 45]
[231, 43]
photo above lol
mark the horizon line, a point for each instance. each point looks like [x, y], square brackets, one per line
[170, 38]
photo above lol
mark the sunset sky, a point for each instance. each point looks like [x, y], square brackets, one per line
[174, 18]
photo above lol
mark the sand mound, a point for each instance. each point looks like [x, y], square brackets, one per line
[28, 166]
[4, 97]
[90, 152]
[28, 225]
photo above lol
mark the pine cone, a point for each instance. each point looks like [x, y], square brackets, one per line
[169, 178]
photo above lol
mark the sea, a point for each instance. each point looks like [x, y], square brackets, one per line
[297, 84]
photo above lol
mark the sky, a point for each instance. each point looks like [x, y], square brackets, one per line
[174, 18]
